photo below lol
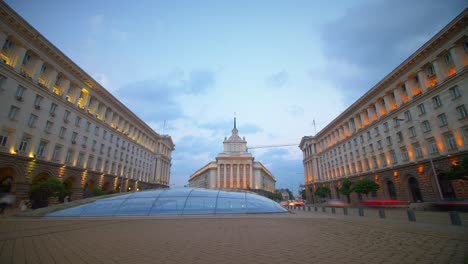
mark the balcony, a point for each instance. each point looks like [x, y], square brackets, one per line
[81, 103]
[41, 82]
[451, 71]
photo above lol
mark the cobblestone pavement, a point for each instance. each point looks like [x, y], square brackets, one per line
[301, 237]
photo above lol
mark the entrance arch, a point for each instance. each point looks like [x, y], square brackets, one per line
[446, 186]
[391, 190]
[7, 180]
[415, 190]
[88, 189]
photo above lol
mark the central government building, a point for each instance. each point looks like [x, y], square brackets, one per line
[235, 168]
[58, 122]
[405, 132]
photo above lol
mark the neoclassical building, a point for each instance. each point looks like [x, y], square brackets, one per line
[58, 122]
[406, 131]
[234, 168]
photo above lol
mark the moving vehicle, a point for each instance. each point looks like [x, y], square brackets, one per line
[384, 203]
[335, 203]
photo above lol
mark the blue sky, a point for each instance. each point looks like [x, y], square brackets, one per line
[278, 64]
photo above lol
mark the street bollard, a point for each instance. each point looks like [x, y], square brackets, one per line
[308, 208]
[361, 211]
[455, 218]
[345, 210]
[323, 209]
[411, 215]
[333, 210]
[382, 213]
[315, 208]
[303, 208]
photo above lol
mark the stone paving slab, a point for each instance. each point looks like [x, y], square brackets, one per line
[302, 237]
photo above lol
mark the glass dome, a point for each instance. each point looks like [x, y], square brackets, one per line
[187, 201]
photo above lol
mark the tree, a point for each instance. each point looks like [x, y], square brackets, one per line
[291, 196]
[347, 189]
[303, 195]
[322, 191]
[365, 186]
[277, 196]
[458, 171]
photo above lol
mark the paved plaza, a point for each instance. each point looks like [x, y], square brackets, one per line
[299, 237]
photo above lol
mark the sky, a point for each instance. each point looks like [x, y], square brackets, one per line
[185, 67]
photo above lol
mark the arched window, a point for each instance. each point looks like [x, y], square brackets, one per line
[415, 191]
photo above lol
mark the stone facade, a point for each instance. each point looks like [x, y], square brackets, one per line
[405, 132]
[234, 168]
[58, 122]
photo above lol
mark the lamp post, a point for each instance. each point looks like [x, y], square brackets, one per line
[430, 159]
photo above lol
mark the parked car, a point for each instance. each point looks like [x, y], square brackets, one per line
[384, 203]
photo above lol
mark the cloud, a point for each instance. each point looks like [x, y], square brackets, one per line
[277, 80]
[157, 100]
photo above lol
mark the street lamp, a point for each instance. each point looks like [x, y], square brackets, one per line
[430, 159]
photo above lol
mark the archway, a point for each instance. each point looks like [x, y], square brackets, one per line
[88, 189]
[69, 183]
[107, 187]
[391, 190]
[40, 177]
[415, 190]
[7, 180]
[39, 194]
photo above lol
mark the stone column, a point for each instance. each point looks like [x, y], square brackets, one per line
[64, 87]
[438, 71]
[17, 57]
[357, 120]
[459, 60]
[51, 79]
[398, 100]
[422, 80]
[37, 69]
[364, 118]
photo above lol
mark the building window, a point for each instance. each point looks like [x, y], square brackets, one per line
[408, 116]
[393, 157]
[412, 132]
[32, 120]
[404, 154]
[68, 158]
[41, 148]
[84, 140]
[37, 101]
[400, 136]
[56, 153]
[2, 81]
[48, 126]
[462, 111]
[366, 163]
[418, 150]
[368, 135]
[433, 146]
[77, 121]
[104, 135]
[363, 149]
[465, 44]
[376, 131]
[447, 58]
[437, 102]
[13, 112]
[88, 125]
[66, 115]
[389, 141]
[62, 132]
[430, 70]
[422, 109]
[3, 138]
[361, 139]
[20, 93]
[374, 162]
[23, 144]
[386, 127]
[465, 135]
[455, 92]
[73, 138]
[53, 107]
[451, 143]
[371, 147]
[442, 120]
[79, 161]
[379, 144]
[96, 131]
[426, 126]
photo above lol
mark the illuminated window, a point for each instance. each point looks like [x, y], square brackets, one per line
[24, 144]
[41, 148]
[426, 126]
[455, 92]
[462, 111]
[4, 138]
[37, 101]
[442, 119]
[32, 120]
[412, 132]
[13, 112]
[62, 132]
[450, 140]
[422, 109]
[68, 157]
[436, 101]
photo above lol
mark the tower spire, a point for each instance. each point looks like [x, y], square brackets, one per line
[234, 119]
